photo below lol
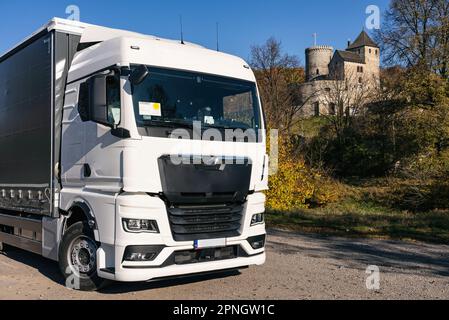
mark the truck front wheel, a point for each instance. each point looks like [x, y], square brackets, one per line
[78, 258]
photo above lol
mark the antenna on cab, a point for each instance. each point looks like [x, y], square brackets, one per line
[218, 38]
[182, 31]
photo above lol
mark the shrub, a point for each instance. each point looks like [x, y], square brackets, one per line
[427, 184]
[295, 185]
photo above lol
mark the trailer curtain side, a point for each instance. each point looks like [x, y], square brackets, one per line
[32, 87]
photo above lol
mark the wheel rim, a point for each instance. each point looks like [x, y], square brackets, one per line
[82, 256]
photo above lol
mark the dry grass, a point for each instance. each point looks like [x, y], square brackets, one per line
[367, 209]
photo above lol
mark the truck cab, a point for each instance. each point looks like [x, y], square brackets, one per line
[162, 162]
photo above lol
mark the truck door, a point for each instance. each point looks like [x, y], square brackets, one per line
[73, 141]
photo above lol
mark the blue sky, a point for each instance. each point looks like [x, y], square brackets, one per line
[242, 22]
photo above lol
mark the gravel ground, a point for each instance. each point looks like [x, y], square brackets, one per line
[298, 267]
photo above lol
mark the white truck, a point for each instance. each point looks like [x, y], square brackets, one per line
[128, 157]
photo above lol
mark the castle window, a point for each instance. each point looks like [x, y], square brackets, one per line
[316, 107]
[317, 71]
[332, 109]
[377, 52]
[360, 69]
[360, 80]
[369, 50]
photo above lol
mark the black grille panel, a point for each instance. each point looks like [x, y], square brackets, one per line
[205, 255]
[205, 222]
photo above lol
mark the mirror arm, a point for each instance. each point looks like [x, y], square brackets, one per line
[125, 71]
[138, 75]
[121, 133]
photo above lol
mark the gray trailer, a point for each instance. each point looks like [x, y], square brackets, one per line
[32, 86]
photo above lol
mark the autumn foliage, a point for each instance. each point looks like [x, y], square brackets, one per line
[295, 185]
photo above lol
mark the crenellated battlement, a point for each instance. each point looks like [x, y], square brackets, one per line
[320, 48]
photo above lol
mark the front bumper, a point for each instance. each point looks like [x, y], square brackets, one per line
[147, 274]
[141, 206]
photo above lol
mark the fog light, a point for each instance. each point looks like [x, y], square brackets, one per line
[139, 225]
[257, 242]
[137, 256]
[142, 253]
[257, 219]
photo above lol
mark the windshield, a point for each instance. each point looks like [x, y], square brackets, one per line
[178, 98]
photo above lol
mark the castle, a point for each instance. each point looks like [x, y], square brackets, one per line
[326, 71]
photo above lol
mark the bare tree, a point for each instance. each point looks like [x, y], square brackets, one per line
[278, 75]
[416, 32]
[349, 96]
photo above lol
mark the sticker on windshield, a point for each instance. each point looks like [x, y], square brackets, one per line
[153, 109]
[209, 120]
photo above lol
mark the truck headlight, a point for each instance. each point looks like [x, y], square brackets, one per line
[257, 219]
[140, 225]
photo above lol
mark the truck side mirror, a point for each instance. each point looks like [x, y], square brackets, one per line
[138, 75]
[98, 104]
[99, 101]
[83, 102]
[93, 103]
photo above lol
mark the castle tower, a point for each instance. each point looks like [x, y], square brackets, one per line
[317, 61]
[369, 51]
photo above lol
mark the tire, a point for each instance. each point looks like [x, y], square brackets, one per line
[78, 259]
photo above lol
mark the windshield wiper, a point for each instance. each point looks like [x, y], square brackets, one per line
[189, 125]
[216, 126]
[168, 124]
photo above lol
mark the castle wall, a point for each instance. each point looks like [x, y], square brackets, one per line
[337, 68]
[317, 95]
[371, 56]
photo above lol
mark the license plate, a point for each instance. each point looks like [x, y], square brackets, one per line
[212, 243]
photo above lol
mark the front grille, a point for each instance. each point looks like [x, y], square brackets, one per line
[205, 222]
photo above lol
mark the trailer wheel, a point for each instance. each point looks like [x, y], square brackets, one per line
[78, 259]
